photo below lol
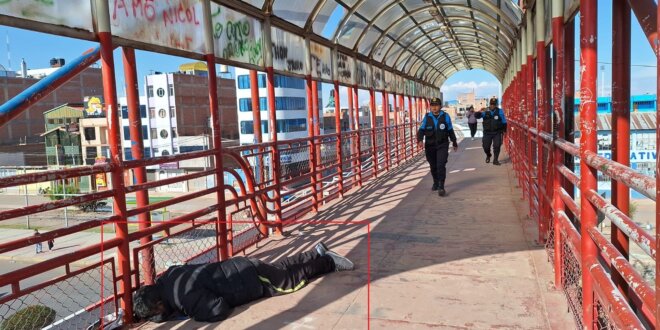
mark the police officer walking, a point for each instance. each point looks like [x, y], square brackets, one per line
[436, 130]
[494, 126]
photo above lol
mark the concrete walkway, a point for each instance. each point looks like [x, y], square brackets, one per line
[465, 261]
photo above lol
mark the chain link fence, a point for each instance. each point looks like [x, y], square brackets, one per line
[602, 319]
[550, 242]
[74, 300]
[572, 281]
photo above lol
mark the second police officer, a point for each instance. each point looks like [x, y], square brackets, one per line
[494, 127]
[436, 131]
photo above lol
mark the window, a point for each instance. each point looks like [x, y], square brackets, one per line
[244, 81]
[165, 153]
[154, 133]
[105, 151]
[644, 141]
[163, 134]
[155, 151]
[173, 132]
[172, 112]
[160, 92]
[170, 89]
[162, 113]
[147, 152]
[175, 150]
[152, 112]
[128, 155]
[150, 91]
[90, 133]
[289, 82]
[247, 127]
[124, 111]
[281, 103]
[127, 133]
[143, 111]
[283, 126]
[91, 155]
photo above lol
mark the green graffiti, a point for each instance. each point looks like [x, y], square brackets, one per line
[239, 41]
[45, 2]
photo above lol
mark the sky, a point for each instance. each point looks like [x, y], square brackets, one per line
[37, 49]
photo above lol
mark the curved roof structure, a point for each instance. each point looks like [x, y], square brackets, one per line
[425, 39]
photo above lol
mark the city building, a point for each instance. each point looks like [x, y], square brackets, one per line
[290, 106]
[62, 136]
[29, 125]
[638, 103]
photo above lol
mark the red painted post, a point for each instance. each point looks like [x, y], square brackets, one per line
[569, 100]
[258, 134]
[374, 150]
[317, 143]
[312, 146]
[396, 129]
[620, 124]
[137, 152]
[588, 142]
[557, 101]
[542, 118]
[340, 161]
[353, 123]
[657, 170]
[275, 162]
[359, 137]
[402, 122]
[413, 124]
[387, 128]
[117, 173]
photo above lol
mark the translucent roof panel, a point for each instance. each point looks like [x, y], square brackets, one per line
[256, 3]
[351, 31]
[325, 23]
[294, 11]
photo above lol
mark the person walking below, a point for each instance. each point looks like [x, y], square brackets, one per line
[436, 130]
[37, 245]
[494, 127]
[472, 121]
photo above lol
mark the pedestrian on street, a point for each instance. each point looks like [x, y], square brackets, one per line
[472, 121]
[209, 292]
[494, 128]
[51, 244]
[37, 245]
[436, 131]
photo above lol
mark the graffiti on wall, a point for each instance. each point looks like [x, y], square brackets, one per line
[388, 80]
[345, 68]
[51, 11]
[321, 61]
[288, 51]
[174, 23]
[237, 37]
[377, 78]
[362, 74]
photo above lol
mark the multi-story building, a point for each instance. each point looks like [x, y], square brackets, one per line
[176, 106]
[290, 107]
[28, 127]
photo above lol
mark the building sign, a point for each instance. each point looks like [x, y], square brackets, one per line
[94, 107]
[636, 156]
[100, 178]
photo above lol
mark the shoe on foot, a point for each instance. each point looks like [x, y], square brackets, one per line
[434, 187]
[496, 163]
[441, 192]
[488, 159]
[321, 248]
[472, 139]
[341, 263]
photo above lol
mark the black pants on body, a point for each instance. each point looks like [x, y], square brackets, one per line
[473, 129]
[437, 155]
[292, 273]
[496, 140]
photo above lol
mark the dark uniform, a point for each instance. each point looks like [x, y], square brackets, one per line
[494, 126]
[437, 131]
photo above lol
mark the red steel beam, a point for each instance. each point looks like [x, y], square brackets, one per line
[646, 12]
[338, 130]
[620, 123]
[275, 161]
[588, 143]
[359, 135]
[311, 144]
[657, 168]
[317, 132]
[374, 150]
[386, 131]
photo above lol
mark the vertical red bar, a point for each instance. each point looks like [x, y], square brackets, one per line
[620, 123]
[359, 136]
[137, 152]
[117, 173]
[374, 149]
[312, 145]
[557, 102]
[221, 225]
[317, 143]
[541, 127]
[657, 170]
[588, 142]
[531, 123]
[569, 100]
[258, 135]
[275, 162]
[411, 116]
[397, 150]
[387, 129]
[338, 130]
[355, 137]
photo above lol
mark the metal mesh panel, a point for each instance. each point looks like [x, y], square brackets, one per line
[572, 282]
[602, 317]
[67, 304]
[294, 161]
[328, 153]
[550, 242]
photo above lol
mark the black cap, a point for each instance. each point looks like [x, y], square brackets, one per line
[493, 101]
[436, 101]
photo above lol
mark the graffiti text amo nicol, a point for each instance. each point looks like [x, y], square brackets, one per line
[146, 9]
